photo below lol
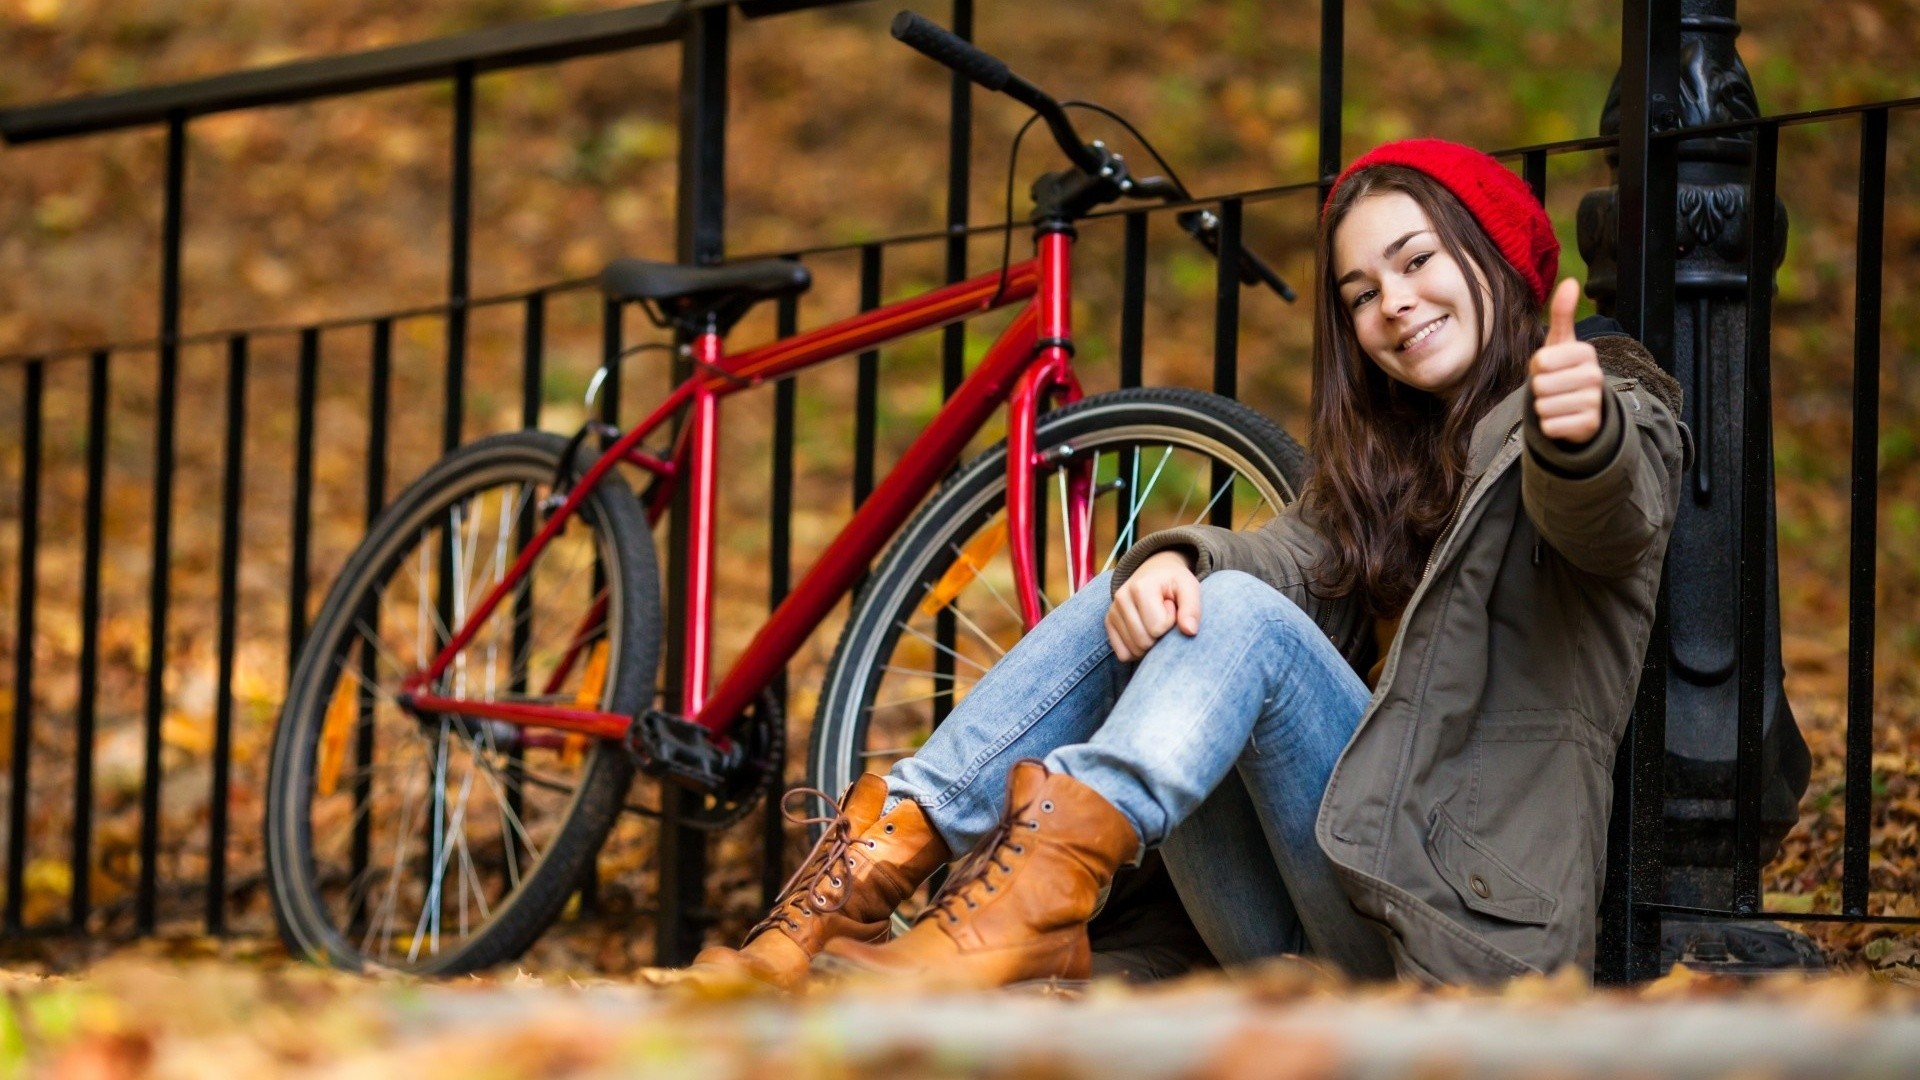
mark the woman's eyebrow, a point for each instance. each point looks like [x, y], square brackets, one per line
[1391, 250]
[1394, 248]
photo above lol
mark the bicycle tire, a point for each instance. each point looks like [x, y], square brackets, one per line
[1207, 426]
[318, 916]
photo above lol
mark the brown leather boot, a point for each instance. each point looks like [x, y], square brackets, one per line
[1017, 910]
[865, 865]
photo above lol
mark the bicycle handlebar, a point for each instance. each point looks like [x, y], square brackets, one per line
[990, 72]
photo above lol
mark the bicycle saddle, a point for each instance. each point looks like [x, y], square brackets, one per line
[678, 286]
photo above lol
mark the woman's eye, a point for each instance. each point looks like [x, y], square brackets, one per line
[1418, 261]
[1360, 298]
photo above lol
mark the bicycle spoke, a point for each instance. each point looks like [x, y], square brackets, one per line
[890, 751]
[1137, 502]
[962, 618]
[992, 589]
[1208, 509]
[950, 652]
[930, 673]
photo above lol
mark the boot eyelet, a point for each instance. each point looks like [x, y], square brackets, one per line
[1034, 825]
[836, 882]
[874, 843]
[1047, 807]
[1019, 849]
[889, 829]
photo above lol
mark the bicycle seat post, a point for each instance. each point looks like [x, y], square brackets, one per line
[701, 497]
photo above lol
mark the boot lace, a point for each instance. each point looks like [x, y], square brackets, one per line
[986, 855]
[828, 862]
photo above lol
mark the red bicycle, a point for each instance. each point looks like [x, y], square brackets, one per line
[466, 716]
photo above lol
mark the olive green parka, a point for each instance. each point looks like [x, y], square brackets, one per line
[1467, 817]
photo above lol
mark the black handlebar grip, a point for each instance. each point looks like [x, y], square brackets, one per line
[952, 50]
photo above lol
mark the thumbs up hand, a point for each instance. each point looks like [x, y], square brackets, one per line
[1566, 377]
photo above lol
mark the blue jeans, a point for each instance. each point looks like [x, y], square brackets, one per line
[1217, 748]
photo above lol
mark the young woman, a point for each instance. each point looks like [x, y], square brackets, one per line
[1383, 733]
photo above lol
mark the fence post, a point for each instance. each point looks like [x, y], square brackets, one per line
[1636, 222]
[1707, 352]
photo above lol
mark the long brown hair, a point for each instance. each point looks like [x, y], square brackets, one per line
[1389, 460]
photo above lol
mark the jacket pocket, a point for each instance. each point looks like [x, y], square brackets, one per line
[1485, 883]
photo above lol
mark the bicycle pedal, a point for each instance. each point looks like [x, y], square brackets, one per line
[683, 752]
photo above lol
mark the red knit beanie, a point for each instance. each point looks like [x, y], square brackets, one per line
[1500, 201]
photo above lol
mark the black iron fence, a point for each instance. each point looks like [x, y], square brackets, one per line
[1657, 124]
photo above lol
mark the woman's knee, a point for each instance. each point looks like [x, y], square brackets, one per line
[1235, 595]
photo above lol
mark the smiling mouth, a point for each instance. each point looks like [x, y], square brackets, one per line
[1423, 333]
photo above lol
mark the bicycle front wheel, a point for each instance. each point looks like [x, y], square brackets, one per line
[941, 608]
[440, 844]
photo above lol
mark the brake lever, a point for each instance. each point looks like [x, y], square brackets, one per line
[1204, 225]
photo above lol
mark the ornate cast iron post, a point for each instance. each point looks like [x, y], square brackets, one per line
[1710, 362]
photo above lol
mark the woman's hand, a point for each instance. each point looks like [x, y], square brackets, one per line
[1161, 594]
[1567, 382]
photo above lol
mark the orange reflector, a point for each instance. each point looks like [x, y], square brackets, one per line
[973, 559]
[594, 679]
[333, 732]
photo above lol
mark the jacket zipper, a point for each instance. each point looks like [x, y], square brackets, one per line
[1447, 528]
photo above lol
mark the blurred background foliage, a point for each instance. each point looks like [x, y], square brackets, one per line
[837, 136]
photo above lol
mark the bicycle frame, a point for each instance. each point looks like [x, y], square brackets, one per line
[1028, 366]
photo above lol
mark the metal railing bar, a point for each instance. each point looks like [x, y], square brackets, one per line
[1756, 493]
[1226, 303]
[1649, 78]
[459, 271]
[1133, 300]
[1333, 53]
[1226, 348]
[231, 489]
[1133, 333]
[31, 411]
[305, 395]
[1869, 245]
[173, 228]
[953, 338]
[1792, 119]
[80, 899]
[379, 410]
[533, 363]
[1533, 168]
[519, 45]
[953, 343]
[533, 359]
[866, 394]
[780, 577]
[344, 322]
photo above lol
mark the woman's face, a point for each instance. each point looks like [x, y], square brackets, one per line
[1411, 303]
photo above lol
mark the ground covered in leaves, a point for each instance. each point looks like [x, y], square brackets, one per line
[147, 1014]
[337, 209]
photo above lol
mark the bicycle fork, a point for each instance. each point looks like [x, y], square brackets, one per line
[1049, 381]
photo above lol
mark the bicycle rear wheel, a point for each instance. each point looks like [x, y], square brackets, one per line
[439, 844]
[940, 609]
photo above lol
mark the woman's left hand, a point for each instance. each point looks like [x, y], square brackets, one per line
[1567, 381]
